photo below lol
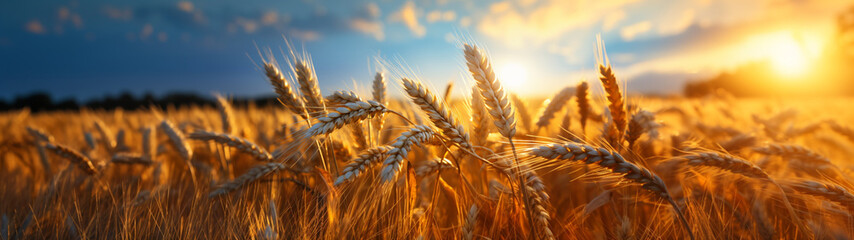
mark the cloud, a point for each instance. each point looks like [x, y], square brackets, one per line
[367, 21]
[612, 19]
[437, 16]
[629, 33]
[408, 15]
[34, 26]
[546, 22]
[146, 31]
[185, 6]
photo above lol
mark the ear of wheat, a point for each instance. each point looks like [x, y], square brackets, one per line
[830, 192]
[479, 119]
[348, 113]
[616, 103]
[614, 162]
[400, 149]
[360, 164]
[240, 143]
[437, 112]
[799, 153]
[250, 176]
[309, 87]
[75, 157]
[555, 105]
[226, 114]
[491, 91]
[40, 135]
[286, 96]
[342, 97]
[582, 98]
[726, 162]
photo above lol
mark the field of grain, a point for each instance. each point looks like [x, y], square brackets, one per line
[426, 165]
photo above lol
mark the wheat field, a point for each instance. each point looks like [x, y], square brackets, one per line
[426, 165]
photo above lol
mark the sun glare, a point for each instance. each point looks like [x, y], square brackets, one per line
[512, 74]
[788, 57]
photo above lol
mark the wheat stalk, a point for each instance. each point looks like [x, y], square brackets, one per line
[348, 113]
[799, 152]
[149, 143]
[614, 162]
[342, 97]
[129, 158]
[226, 113]
[40, 135]
[437, 112]
[522, 109]
[480, 122]
[286, 96]
[106, 135]
[493, 94]
[582, 98]
[726, 162]
[75, 157]
[247, 178]
[400, 149]
[365, 160]
[308, 86]
[434, 166]
[555, 105]
[471, 221]
[240, 143]
[830, 192]
[616, 103]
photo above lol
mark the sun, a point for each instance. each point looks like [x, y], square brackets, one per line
[512, 74]
[788, 57]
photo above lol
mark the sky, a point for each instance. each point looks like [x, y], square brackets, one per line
[87, 49]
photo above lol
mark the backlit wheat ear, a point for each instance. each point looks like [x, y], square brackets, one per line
[179, 142]
[379, 93]
[342, 97]
[149, 143]
[419, 134]
[538, 199]
[285, 94]
[471, 221]
[366, 159]
[128, 158]
[40, 135]
[799, 153]
[75, 157]
[739, 142]
[479, 119]
[247, 178]
[226, 113]
[244, 145]
[582, 98]
[106, 135]
[830, 192]
[522, 108]
[642, 122]
[727, 163]
[346, 114]
[308, 87]
[434, 166]
[616, 103]
[614, 162]
[555, 105]
[491, 90]
[437, 112]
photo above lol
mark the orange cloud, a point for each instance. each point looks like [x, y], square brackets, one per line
[408, 15]
[35, 26]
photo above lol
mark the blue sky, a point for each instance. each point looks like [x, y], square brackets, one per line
[85, 49]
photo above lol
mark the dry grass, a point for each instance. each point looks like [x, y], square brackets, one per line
[662, 169]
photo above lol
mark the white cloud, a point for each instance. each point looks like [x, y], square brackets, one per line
[369, 23]
[630, 32]
[408, 15]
